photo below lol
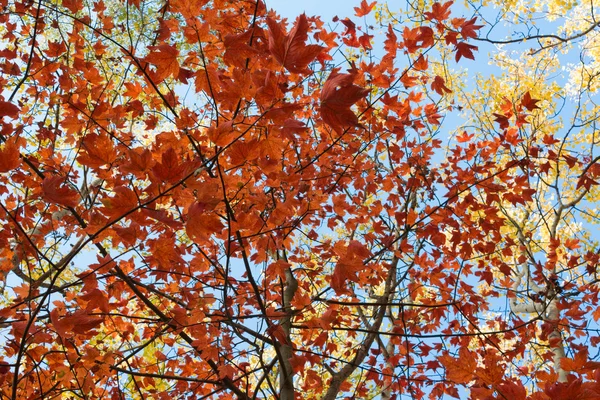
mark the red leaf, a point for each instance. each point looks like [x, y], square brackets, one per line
[364, 9]
[425, 37]
[61, 326]
[96, 299]
[529, 103]
[390, 45]
[83, 323]
[73, 5]
[171, 167]
[549, 140]
[121, 203]
[291, 50]
[468, 28]
[337, 96]
[365, 41]
[502, 120]
[512, 390]
[409, 80]
[351, 261]
[8, 109]
[421, 64]
[439, 11]
[276, 332]
[439, 85]
[55, 191]
[465, 50]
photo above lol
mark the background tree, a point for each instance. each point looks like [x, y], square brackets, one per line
[201, 199]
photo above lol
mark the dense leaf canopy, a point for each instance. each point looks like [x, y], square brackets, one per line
[202, 199]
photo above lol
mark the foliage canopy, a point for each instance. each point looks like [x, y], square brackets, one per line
[201, 199]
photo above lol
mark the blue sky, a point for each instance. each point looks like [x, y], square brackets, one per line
[324, 8]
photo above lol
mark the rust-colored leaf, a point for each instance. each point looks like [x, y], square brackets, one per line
[290, 50]
[337, 96]
[55, 190]
[164, 58]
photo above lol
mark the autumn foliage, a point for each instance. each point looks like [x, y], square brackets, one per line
[200, 199]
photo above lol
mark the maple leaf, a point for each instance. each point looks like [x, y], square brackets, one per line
[337, 96]
[96, 298]
[276, 332]
[201, 223]
[409, 80]
[291, 50]
[364, 8]
[459, 370]
[390, 45]
[365, 41]
[425, 36]
[10, 156]
[170, 169]
[164, 58]
[512, 390]
[464, 49]
[439, 85]
[237, 48]
[79, 322]
[421, 64]
[8, 109]
[529, 103]
[123, 201]
[502, 120]
[351, 261]
[439, 12]
[189, 9]
[54, 190]
[98, 150]
[468, 28]
[464, 137]
[73, 5]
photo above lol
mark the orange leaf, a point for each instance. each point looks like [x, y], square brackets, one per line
[96, 299]
[351, 261]
[464, 137]
[55, 191]
[10, 155]
[164, 57]
[459, 370]
[291, 50]
[80, 322]
[73, 5]
[187, 8]
[439, 11]
[421, 64]
[98, 150]
[202, 223]
[121, 203]
[364, 9]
